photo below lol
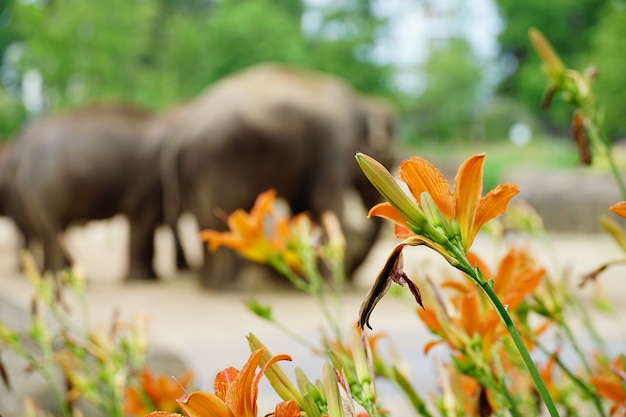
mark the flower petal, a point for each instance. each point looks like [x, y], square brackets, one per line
[470, 317]
[263, 205]
[387, 211]
[619, 208]
[468, 188]
[223, 379]
[609, 388]
[492, 205]
[421, 176]
[242, 392]
[202, 404]
[287, 409]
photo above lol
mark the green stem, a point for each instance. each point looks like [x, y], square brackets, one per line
[519, 343]
[577, 381]
[602, 142]
[315, 291]
[44, 371]
[502, 388]
[570, 336]
[418, 403]
[477, 277]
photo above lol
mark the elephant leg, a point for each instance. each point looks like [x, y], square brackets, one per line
[54, 257]
[181, 260]
[359, 246]
[220, 269]
[141, 253]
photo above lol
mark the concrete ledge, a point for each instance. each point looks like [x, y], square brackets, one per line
[568, 201]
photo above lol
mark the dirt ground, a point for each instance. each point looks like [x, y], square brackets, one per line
[207, 330]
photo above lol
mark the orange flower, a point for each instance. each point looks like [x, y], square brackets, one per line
[469, 315]
[619, 208]
[235, 392]
[160, 393]
[610, 384]
[465, 206]
[249, 234]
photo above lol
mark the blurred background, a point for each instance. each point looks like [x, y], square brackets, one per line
[461, 72]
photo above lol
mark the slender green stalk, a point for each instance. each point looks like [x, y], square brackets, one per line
[477, 277]
[503, 389]
[418, 403]
[603, 143]
[314, 291]
[519, 344]
[577, 381]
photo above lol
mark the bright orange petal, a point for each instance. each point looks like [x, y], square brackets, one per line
[263, 205]
[163, 414]
[469, 309]
[386, 211]
[223, 379]
[133, 403]
[244, 225]
[477, 262]
[402, 232]
[287, 409]
[421, 176]
[609, 388]
[242, 392]
[619, 208]
[468, 188]
[527, 284]
[216, 239]
[462, 287]
[509, 264]
[204, 404]
[428, 346]
[494, 204]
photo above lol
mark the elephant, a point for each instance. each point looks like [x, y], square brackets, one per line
[270, 126]
[86, 164]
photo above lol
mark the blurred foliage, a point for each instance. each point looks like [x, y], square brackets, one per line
[568, 25]
[446, 107]
[607, 51]
[11, 114]
[157, 52]
[82, 50]
[241, 33]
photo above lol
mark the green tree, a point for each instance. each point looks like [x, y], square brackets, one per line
[447, 106]
[83, 50]
[158, 52]
[7, 33]
[566, 24]
[241, 33]
[344, 44]
[607, 52]
[12, 112]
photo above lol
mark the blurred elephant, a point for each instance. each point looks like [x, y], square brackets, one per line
[89, 164]
[270, 126]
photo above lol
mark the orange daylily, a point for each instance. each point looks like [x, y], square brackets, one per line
[619, 208]
[516, 277]
[236, 392]
[609, 384]
[248, 234]
[161, 392]
[466, 205]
